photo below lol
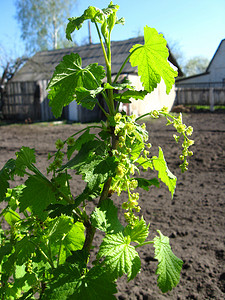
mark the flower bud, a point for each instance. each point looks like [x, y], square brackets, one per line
[189, 130]
[117, 117]
[59, 144]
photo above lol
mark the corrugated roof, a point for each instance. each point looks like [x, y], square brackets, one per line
[42, 65]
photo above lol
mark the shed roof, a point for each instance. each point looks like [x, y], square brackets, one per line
[208, 69]
[42, 65]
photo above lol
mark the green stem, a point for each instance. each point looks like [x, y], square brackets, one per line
[145, 115]
[105, 113]
[88, 127]
[90, 232]
[60, 247]
[145, 243]
[105, 191]
[109, 75]
[107, 57]
[123, 65]
[44, 254]
[103, 48]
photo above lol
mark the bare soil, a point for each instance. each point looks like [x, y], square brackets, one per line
[194, 220]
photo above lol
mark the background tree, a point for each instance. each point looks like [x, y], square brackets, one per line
[191, 66]
[195, 65]
[176, 49]
[41, 23]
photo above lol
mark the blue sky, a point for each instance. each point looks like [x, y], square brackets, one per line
[195, 26]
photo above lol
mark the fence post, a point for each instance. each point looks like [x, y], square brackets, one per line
[211, 98]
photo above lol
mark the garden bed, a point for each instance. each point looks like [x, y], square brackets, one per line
[194, 219]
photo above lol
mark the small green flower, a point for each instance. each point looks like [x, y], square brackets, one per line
[190, 153]
[143, 126]
[70, 141]
[190, 142]
[155, 114]
[189, 130]
[59, 144]
[176, 138]
[181, 128]
[117, 117]
[57, 163]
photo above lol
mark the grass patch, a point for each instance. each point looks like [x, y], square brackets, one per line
[206, 107]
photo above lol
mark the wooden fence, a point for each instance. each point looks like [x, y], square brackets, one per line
[26, 100]
[211, 96]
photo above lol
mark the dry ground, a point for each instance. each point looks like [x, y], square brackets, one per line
[194, 220]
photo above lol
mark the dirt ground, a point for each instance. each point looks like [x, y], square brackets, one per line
[194, 220]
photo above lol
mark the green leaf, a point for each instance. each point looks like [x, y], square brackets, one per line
[25, 159]
[88, 194]
[68, 284]
[5, 176]
[137, 148]
[127, 95]
[84, 138]
[79, 258]
[95, 15]
[169, 266]
[74, 240]
[24, 248]
[58, 228]
[13, 195]
[87, 98]
[93, 162]
[5, 250]
[69, 76]
[164, 173]
[76, 23]
[60, 184]
[105, 217]
[126, 84]
[145, 163]
[37, 195]
[120, 257]
[64, 236]
[152, 61]
[9, 265]
[11, 217]
[97, 147]
[56, 210]
[146, 183]
[97, 170]
[138, 233]
[140, 134]
[96, 285]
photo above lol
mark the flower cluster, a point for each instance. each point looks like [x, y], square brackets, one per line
[59, 155]
[132, 139]
[183, 131]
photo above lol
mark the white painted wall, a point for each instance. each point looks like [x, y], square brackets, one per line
[155, 100]
[217, 66]
[215, 70]
[73, 112]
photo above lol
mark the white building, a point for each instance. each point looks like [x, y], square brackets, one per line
[38, 70]
[214, 76]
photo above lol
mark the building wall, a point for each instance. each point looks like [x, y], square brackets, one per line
[217, 67]
[215, 73]
[195, 80]
[155, 100]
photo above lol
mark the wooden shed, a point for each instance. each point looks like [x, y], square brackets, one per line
[26, 94]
